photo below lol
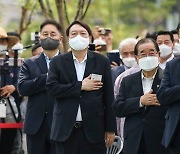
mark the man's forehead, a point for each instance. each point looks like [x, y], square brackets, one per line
[128, 48]
[163, 37]
[147, 46]
[49, 28]
[77, 27]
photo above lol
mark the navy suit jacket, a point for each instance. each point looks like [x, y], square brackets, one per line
[31, 83]
[62, 83]
[169, 93]
[116, 72]
[149, 121]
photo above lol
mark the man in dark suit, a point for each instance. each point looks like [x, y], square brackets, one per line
[169, 94]
[32, 81]
[126, 50]
[81, 82]
[144, 123]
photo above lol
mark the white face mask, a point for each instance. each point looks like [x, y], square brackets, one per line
[79, 43]
[129, 62]
[176, 50]
[3, 49]
[148, 63]
[165, 50]
[19, 47]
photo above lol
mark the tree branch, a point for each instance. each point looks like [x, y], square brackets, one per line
[43, 8]
[49, 10]
[66, 12]
[78, 10]
[59, 5]
[84, 14]
[81, 9]
[30, 17]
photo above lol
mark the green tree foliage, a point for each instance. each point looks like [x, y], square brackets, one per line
[126, 18]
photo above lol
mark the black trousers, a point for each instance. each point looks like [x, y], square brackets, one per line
[175, 144]
[40, 143]
[78, 144]
[7, 140]
[142, 146]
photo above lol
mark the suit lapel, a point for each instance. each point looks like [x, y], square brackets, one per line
[157, 81]
[42, 63]
[90, 64]
[71, 70]
[137, 84]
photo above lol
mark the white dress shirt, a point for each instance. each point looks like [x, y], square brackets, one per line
[80, 69]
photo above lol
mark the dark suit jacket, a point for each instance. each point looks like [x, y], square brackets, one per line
[116, 72]
[32, 81]
[169, 93]
[149, 121]
[96, 109]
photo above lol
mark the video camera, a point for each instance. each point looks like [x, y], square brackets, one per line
[104, 31]
[35, 37]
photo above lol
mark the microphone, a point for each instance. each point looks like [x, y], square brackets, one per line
[28, 46]
[17, 47]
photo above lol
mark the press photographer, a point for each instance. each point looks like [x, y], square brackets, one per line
[9, 97]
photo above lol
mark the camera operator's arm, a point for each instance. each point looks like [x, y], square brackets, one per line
[109, 41]
[30, 81]
[7, 90]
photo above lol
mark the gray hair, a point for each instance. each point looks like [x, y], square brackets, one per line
[127, 41]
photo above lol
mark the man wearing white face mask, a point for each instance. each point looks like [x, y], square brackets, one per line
[126, 49]
[80, 80]
[176, 49]
[137, 102]
[165, 41]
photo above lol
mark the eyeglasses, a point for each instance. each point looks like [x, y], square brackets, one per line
[52, 35]
[142, 55]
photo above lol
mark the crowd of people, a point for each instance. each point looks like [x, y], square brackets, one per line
[77, 102]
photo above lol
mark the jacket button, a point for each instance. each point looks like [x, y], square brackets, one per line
[80, 96]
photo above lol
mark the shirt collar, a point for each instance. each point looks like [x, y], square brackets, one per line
[85, 58]
[143, 77]
[170, 58]
[47, 58]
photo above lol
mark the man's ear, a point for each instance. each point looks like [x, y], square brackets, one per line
[61, 38]
[90, 39]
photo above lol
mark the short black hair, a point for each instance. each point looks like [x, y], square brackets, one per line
[84, 25]
[162, 32]
[14, 34]
[174, 31]
[51, 22]
[143, 41]
[151, 35]
[36, 46]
